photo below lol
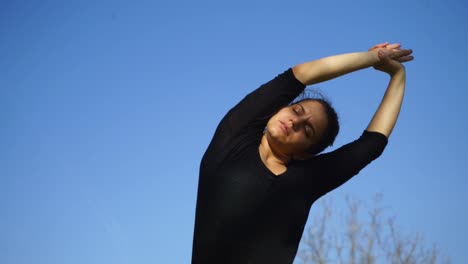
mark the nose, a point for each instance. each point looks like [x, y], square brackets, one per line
[297, 122]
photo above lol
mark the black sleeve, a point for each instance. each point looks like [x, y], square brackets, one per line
[339, 166]
[251, 114]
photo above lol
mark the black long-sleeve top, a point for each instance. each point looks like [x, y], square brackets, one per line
[244, 212]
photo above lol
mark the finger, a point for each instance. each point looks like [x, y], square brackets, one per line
[401, 53]
[381, 45]
[393, 46]
[405, 59]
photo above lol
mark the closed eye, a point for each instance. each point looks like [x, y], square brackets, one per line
[309, 130]
[298, 109]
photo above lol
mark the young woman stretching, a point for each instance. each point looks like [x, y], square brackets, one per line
[262, 170]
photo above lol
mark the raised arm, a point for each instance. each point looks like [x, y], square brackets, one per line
[386, 115]
[327, 68]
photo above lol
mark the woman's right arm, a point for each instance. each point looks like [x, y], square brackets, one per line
[327, 68]
[385, 117]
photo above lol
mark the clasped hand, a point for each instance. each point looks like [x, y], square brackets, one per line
[391, 57]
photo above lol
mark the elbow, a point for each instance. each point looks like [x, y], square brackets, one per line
[376, 143]
[300, 73]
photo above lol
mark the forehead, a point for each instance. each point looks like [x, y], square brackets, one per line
[312, 106]
[315, 110]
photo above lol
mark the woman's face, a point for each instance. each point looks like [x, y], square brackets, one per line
[295, 128]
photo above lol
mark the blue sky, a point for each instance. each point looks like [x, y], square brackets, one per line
[108, 106]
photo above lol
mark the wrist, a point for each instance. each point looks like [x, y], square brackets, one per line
[398, 73]
[374, 55]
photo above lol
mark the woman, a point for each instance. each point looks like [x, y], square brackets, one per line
[261, 172]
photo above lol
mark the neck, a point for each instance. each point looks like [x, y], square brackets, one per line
[271, 157]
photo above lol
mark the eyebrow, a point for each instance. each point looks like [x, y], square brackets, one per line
[312, 126]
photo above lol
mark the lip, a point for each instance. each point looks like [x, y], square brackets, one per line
[284, 128]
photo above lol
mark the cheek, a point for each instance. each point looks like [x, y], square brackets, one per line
[301, 142]
[272, 128]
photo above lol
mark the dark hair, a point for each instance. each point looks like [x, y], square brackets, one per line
[333, 126]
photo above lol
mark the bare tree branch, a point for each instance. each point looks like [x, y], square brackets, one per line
[344, 237]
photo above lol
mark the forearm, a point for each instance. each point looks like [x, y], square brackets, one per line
[334, 66]
[385, 117]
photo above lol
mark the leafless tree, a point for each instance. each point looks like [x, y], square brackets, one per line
[362, 235]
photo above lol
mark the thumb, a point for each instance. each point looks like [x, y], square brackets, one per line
[383, 54]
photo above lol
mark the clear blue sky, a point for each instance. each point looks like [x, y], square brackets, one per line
[106, 108]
